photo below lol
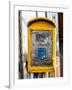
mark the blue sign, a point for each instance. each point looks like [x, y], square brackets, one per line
[41, 53]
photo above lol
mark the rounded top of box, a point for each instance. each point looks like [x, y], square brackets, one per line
[34, 20]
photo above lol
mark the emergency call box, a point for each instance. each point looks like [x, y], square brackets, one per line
[41, 45]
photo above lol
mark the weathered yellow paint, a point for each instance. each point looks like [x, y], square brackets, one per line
[41, 24]
[41, 69]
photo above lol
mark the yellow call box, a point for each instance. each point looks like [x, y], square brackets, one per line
[41, 45]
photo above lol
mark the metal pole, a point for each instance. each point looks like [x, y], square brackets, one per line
[36, 14]
[46, 14]
[20, 47]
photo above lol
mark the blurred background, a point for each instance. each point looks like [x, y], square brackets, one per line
[24, 17]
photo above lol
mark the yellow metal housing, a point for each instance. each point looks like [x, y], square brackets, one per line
[42, 24]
